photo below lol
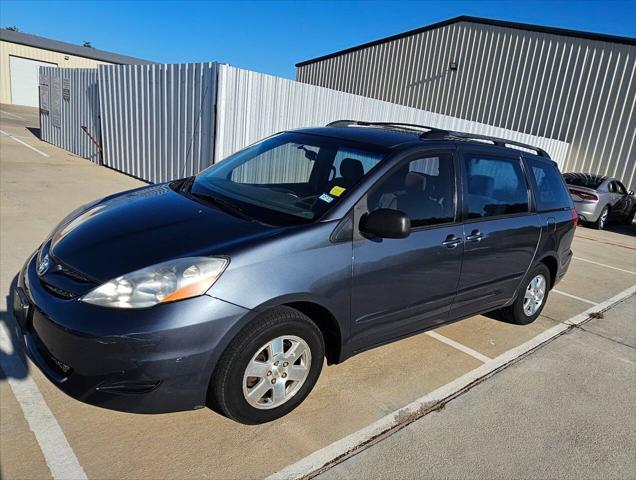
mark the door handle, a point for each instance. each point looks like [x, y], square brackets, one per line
[475, 236]
[452, 241]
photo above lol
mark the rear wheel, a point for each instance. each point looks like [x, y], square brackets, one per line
[269, 368]
[531, 298]
[601, 221]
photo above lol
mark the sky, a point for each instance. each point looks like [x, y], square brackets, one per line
[272, 36]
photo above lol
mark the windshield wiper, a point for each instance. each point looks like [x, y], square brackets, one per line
[226, 206]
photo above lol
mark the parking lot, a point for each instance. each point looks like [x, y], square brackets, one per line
[47, 434]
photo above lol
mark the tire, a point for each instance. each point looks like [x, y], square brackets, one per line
[601, 221]
[629, 219]
[283, 330]
[516, 313]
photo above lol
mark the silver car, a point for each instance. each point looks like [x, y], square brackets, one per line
[598, 199]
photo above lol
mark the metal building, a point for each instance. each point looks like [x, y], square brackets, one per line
[21, 54]
[572, 86]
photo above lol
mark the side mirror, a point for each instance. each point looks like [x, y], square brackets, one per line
[385, 223]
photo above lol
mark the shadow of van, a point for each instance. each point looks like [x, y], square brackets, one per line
[13, 361]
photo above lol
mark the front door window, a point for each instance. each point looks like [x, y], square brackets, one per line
[422, 188]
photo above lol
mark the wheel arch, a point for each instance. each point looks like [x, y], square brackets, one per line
[324, 317]
[552, 263]
[327, 324]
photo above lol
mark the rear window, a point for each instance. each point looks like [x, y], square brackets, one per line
[583, 180]
[496, 186]
[550, 192]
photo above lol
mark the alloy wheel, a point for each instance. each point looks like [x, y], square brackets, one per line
[603, 218]
[276, 372]
[534, 296]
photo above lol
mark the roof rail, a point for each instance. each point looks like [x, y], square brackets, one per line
[402, 126]
[500, 142]
[440, 133]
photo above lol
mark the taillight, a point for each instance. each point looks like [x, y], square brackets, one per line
[584, 195]
[575, 217]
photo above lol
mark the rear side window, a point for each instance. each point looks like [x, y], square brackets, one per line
[550, 192]
[495, 186]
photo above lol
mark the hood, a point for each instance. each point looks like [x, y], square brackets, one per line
[137, 229]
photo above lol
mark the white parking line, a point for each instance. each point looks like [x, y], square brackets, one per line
[354, 443]
[581, 299]
[18, 117]
[25, 144]
[462, 348]
[58, 454]
[604, 265]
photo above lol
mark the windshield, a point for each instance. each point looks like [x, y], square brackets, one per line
[289, 178]
[583, 180]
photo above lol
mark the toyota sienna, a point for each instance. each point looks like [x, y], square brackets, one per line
[231, 288]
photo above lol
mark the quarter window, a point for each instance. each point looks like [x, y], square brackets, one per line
[494, 186]
[550, 191]
[422, 188]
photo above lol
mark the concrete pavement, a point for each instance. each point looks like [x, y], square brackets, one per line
[566, 411]
[37, 190]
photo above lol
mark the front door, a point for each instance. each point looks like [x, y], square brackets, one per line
[400, 286]
[500, 233]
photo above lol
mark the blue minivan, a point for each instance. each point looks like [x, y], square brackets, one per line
[229, 289]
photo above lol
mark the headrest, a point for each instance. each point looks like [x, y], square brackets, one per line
[415, 181]
[351, 169]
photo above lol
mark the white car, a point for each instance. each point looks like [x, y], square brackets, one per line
[598, 199]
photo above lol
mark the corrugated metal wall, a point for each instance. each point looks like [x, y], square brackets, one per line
[576, 90]
[158, 120]
[72, 104]
[253, 105]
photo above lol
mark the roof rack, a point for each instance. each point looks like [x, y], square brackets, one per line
[401, 126]
[440, 133]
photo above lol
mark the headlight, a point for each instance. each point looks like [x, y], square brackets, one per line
[161, 283]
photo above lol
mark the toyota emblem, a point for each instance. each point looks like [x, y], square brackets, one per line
[43, 266]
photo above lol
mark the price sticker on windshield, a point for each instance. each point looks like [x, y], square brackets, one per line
[326, 198]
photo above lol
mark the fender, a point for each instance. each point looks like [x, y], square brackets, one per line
[251, 314]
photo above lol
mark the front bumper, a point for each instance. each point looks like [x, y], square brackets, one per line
[587, 211]
[151, 360]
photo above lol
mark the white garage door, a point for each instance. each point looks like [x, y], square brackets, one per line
[25, 80]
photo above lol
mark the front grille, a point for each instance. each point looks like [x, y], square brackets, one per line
[74, 274]
[58, 291]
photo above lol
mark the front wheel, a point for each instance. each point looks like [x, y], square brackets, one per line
[630, 216]
[531, 298]
[269, 368]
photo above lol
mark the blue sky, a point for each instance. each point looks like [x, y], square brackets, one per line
[271, 36]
